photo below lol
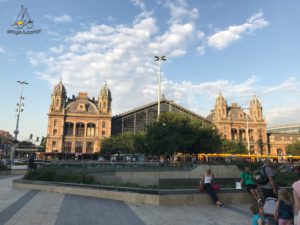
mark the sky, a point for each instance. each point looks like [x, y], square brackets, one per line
[240, 48]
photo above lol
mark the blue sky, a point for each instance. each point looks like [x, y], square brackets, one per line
[238, 47]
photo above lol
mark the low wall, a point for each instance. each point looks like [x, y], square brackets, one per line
[145, 178]
[14, 172]
[137, 195]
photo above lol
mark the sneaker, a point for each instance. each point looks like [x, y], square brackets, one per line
[220, 206]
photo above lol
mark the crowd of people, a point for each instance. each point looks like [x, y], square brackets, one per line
[263, 193]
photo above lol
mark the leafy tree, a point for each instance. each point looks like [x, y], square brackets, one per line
[126, 143]
[233, 147]
[294, 148]
[177, 132]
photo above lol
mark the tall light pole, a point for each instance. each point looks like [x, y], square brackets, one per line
[16, 132]
[159, 59]
[248, 135]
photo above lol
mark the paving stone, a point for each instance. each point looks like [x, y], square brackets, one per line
[48, 208]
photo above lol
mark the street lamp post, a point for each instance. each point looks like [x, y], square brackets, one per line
[248, 135]
[159, 59]
[16, 132]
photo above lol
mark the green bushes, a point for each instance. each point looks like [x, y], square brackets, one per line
[286, 179]
[3, 167]
[57, 175]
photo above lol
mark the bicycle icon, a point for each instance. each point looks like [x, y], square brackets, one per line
[23, 19]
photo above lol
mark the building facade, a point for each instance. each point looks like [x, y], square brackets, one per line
[138, 119]
[76, 125]
[282, 136]
[236, 124]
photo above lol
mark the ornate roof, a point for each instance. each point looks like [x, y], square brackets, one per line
[105, 92]
[59, 90]
[255, 101]
[81, 106]
[220, 99]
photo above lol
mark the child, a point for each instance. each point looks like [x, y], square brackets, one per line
[284, 208]
[257, 211]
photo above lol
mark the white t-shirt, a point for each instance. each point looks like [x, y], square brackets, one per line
[207, 179]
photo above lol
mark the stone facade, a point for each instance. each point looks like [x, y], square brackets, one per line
[279, 141]
[78, 124]
[235, 124]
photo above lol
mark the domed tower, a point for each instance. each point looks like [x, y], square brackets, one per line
[59, 97]
[255, 108]
[220, 108]
[104, 100]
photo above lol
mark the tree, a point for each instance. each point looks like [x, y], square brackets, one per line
[233, 147]
[126, 143]
[294, 148]
[177, 132]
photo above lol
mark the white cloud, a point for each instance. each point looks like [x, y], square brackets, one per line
[180, 12]
[144, 13]
[57, 50]
[123, 54]
[2, 50]
[201, 50]
[224, 38]
[177, 36]
[283, 115]
[60, 19]
[292, 84]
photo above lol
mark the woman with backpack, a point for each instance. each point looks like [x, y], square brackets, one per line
[247, 179]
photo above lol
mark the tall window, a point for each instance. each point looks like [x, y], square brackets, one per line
[55, 123]
[69, 129]
[90, 130]
[89, 147]
[53, 144]
[68, 146]
[79, 130]
[78, 146]
[54, 132]
[103, 127]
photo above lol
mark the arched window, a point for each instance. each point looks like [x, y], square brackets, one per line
[90, 132]
[78, 146]
[79, 130]
[69, 129]
[103, 124]
[57, 102]
[55, 123]
[89, 147]
[104, 105]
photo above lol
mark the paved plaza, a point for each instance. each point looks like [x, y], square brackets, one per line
[32, 207]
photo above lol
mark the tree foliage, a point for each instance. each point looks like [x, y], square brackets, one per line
[174, 132]
[294, 148]
[125, 143]
[233, 147]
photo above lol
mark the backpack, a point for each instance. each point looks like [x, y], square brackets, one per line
[260, 176]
